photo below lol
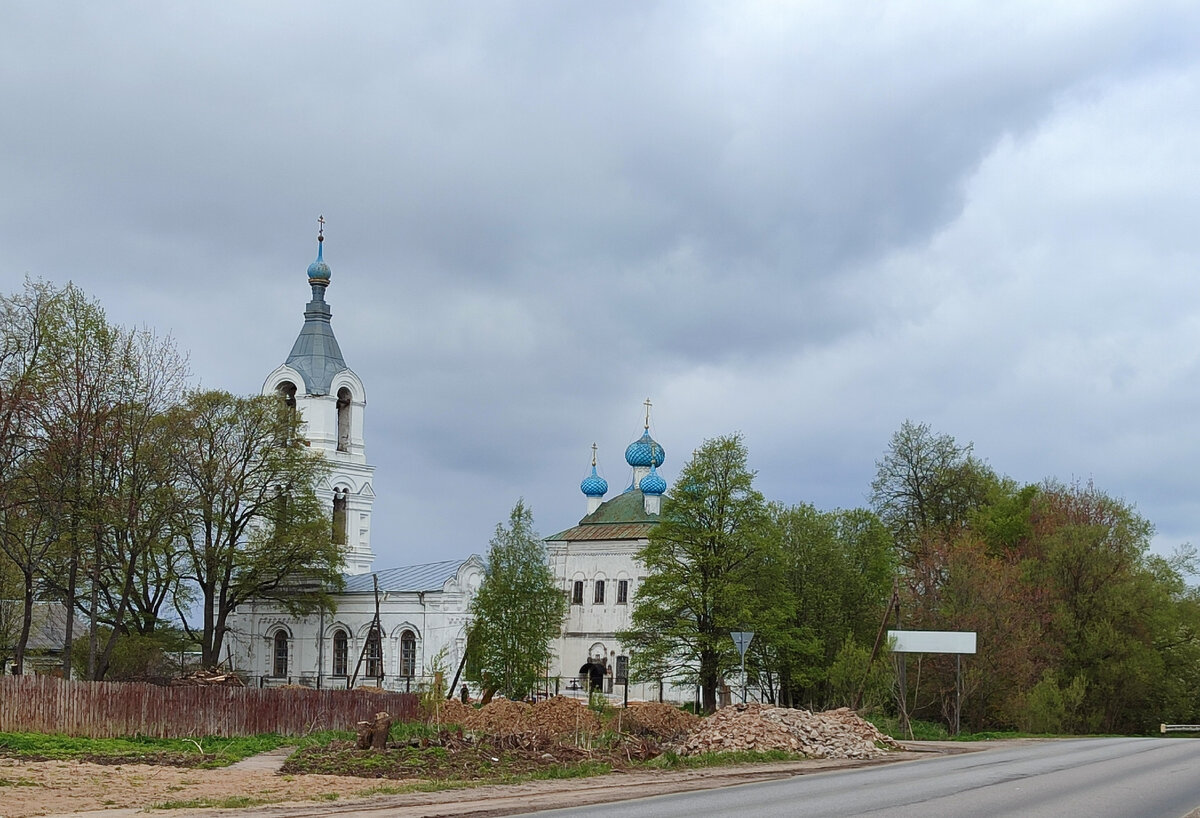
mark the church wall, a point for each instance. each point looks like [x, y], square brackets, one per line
[437, 619]
[590, 628]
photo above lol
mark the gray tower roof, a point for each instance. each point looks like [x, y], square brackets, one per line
[316, 354]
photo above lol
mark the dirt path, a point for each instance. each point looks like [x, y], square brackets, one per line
[79, 789]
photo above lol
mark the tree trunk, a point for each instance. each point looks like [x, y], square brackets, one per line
[26, 625]
[105, 657]
[93, 632]
[708, 680]
[69, 630]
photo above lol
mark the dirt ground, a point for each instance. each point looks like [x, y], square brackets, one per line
[80, 788]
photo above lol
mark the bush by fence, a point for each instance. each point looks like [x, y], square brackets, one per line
[44, 704]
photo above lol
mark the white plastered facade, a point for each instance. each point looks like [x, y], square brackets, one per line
[435, 621]
[590, 628]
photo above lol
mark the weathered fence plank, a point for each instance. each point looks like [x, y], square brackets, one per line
[45, 704]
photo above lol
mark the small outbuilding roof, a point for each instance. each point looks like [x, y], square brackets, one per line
[430, 576]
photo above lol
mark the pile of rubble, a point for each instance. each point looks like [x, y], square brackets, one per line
[760, 727]
[755, 727]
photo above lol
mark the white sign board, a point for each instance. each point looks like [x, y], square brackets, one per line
[933, 641]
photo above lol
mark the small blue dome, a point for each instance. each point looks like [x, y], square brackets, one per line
[653, 483]
[645, 451]
[594, 485]
[319, 270]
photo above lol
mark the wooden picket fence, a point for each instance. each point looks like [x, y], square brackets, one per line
[45, 704]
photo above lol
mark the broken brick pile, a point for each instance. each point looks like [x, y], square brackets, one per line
[760, 727]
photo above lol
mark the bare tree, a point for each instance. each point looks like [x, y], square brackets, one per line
[24, 320]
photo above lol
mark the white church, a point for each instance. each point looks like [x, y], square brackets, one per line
[422, 610]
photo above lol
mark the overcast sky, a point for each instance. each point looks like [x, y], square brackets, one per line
[802, 222]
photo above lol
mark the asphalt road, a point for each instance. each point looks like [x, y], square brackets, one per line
[1096, 778]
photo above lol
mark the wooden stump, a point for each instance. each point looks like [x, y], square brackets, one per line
[373, 735]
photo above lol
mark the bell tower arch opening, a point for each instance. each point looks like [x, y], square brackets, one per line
[344, 401]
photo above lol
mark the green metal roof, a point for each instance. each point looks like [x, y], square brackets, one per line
[623, 517]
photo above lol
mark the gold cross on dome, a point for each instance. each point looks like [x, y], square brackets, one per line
[593, 455]
[321, 227]
[648, 405]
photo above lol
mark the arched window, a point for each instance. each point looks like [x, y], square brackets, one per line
[598, 594]
[339, 516]
[408, 654]
[577, 592]
[374, 656]
[281, 655]
[343, 419]
[341, 652]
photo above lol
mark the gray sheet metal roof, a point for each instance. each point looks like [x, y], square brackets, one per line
[428, 577]
[316, 354]
[48, 629]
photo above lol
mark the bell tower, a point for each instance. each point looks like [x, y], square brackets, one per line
[331, 401]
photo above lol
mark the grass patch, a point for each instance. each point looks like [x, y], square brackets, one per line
[405, 731]
[671, 761]
[18, 782]
[921, 730]
[420, 786]
[936, 731]
[231, 802]
[584, 769]
[204, 752]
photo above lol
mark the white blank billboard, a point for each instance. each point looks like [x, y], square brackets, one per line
[933, 641]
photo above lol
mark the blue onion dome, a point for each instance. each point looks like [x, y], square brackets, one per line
[318, 271]
[645, 451]
[594, 485]
[653, 483]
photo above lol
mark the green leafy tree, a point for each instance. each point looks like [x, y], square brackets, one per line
[156, 657]
[517, 612]
[838, 567]
[249, 519]
[712, 568]
[1113, 608]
